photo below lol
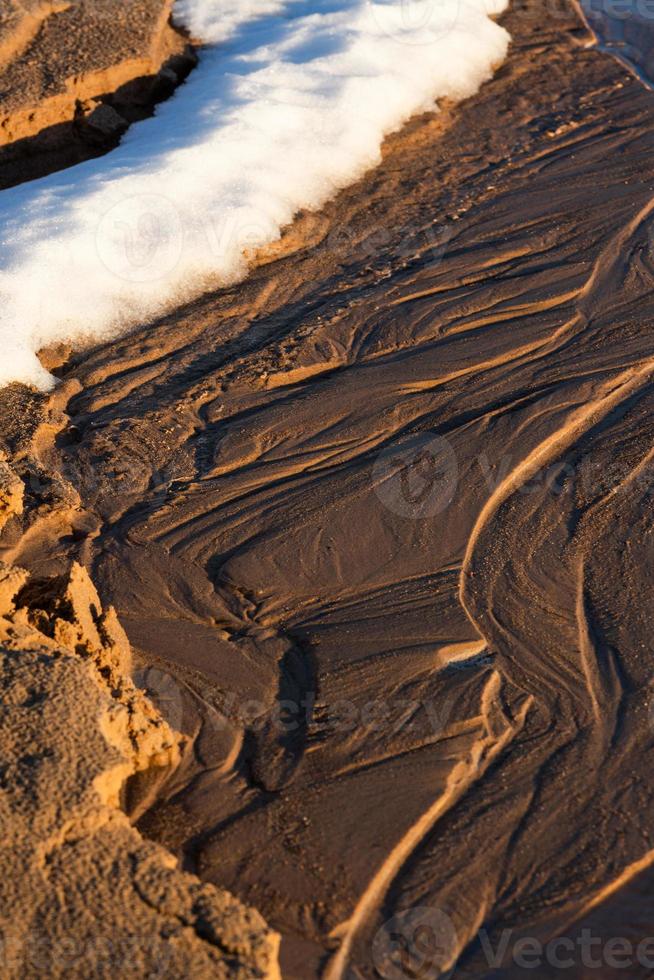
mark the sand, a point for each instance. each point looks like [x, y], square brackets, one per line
[73, 76]
[377, 524]
[83, 751]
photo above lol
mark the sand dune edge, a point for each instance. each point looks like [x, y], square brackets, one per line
[82, 892]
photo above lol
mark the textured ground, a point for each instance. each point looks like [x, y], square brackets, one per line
[82, 893]
[378, 523]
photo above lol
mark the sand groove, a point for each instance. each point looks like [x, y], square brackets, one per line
[460, 779]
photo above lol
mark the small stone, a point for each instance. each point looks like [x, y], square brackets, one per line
[103, 123]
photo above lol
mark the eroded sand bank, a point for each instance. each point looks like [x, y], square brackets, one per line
[399, 483]
[82, 893]
[74, 75]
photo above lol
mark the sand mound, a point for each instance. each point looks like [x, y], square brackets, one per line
[83, 894]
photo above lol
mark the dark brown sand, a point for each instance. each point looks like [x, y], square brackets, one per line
[379, 522]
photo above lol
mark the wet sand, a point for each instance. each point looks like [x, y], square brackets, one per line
[378, 523]
[626, 32]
